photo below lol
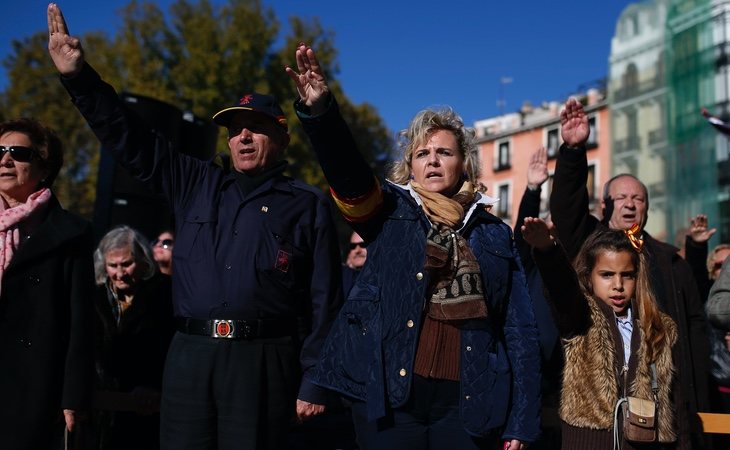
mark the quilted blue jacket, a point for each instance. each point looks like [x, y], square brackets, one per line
[370, 351]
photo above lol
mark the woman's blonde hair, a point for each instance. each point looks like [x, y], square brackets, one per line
[650, 322]
[425, 124]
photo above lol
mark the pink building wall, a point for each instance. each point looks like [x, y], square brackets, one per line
[523, 142]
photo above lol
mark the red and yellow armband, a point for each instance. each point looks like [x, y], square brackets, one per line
[361, 208]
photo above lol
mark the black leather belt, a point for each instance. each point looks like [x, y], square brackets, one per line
[237, 329]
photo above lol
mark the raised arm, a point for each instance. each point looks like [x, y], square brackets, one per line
[569, 306]
[65, 50]
[537, 174]
[310, 81]
[144, 152]
[574, 124]
[354, 186]
[569, 197]
[695, 252]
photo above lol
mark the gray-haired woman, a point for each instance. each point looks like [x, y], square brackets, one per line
[134, 328]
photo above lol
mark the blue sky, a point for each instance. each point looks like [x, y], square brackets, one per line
[404, 55]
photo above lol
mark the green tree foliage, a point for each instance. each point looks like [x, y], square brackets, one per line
[199, 57]
[34, 91]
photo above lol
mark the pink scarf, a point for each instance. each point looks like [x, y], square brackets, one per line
[12, 218]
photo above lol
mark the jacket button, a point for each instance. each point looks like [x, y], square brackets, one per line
[419, 276]
[409, 324]
[34, 279]
[468, 348]
[402, 372]
[467, 397]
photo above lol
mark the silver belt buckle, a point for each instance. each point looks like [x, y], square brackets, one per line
[223, 329]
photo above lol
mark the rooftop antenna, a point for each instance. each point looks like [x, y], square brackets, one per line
[501, 103]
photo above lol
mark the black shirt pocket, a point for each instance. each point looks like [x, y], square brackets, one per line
[194, 238]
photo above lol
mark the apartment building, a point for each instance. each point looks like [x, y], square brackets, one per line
[506, 143]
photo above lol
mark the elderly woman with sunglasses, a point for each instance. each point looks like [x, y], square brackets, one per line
[134, 328]
[436, 345]
[46, 286]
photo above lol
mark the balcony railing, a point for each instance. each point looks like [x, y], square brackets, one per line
[657, 136]
[626, 145]
[637, 89]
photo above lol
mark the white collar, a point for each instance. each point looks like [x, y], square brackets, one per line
[628, 317]
[481, 199]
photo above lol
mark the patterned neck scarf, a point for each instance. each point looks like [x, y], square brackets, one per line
[118, 305]
[456, 279]
[12, 218]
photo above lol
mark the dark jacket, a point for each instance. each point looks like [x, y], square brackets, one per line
[132, 353]
[551, 353]
[718, 303]
[696, 253]
[369, 354]
[46, 331]
[672, 280]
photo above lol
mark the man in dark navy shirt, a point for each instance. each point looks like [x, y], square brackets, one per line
[257, 277]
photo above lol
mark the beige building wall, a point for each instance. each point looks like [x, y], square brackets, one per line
[637, 95]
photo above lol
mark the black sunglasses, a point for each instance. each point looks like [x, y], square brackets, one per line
[165, 243]
[18, 152]
[354, 245]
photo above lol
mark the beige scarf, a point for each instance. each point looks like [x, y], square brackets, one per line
[12, 218]
[456, 279]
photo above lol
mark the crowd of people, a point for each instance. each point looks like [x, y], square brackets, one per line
[442, 328]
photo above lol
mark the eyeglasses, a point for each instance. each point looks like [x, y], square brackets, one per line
[18, 152]
[165, 243]
[354, 245]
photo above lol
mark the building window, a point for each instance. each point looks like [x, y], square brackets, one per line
[503, 205]
[631, 80]
[593, 136]
[502, 158]
[553, 143]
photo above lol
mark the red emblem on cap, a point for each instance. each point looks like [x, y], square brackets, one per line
[282, 261]
[245, 99]
[223, 329]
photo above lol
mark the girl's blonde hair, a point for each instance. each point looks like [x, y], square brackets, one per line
[653, 330]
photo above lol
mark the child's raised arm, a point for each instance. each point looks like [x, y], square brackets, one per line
[537, 233]
[566, 298]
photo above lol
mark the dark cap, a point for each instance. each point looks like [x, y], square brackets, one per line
[260, 103]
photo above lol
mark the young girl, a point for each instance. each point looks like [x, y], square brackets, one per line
[612, 332]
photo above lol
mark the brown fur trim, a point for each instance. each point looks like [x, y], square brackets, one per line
[590, 385]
